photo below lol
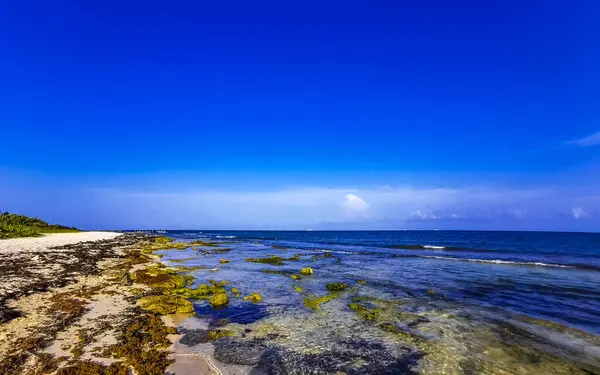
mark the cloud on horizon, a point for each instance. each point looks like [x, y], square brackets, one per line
[392, 207]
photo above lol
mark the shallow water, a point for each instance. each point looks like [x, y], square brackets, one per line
[447, 302]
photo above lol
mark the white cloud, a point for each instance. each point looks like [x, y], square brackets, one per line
[424, 215]
[592, 140]
[353, 202]
[579, 213]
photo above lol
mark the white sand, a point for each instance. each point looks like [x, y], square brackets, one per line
[40, 244]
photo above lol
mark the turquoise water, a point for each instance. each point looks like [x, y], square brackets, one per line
[446, 302]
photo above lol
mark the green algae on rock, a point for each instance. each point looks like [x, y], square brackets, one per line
[273, 259]
[333, 287]
[306, 271]
[166, 304]
[220, 299]
[219, 334]
[254, 297]
[313, 302]
[363, 311]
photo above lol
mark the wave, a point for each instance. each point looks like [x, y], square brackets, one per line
[441, 248]
[226, 236]
[499, 261]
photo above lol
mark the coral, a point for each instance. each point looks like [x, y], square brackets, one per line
[336, 286]
[306, 271]
[220, 299]
[165, 304]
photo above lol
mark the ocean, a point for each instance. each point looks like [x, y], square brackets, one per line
[464, 286]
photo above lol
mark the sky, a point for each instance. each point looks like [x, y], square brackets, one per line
[293, 115]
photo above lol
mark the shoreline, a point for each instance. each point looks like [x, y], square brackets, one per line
[149, 305]
[68, 305]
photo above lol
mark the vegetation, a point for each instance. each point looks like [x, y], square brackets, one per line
[164, 305]
[364, 312]
[13, 225]
[254, 297]
[336, 286]
[313, 302]
[273, 259]
[220, 299]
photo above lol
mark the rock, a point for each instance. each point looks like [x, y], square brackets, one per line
[350, 357]
[238, 352]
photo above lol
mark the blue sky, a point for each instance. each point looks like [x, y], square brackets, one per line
[282, 115]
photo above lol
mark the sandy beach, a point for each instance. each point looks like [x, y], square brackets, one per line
[67, 302]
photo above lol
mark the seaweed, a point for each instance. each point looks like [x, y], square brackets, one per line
[333, 287]
[218, 334]
[278, 272]
[165, 304]
[220, 299]
[273, 259]
[254, 297]
[364, 312]
[313, 302]
[142, 345]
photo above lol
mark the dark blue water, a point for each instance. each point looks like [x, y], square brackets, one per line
[545, 275]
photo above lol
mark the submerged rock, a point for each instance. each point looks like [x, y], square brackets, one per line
[349, 357]
[165, 304]
[238, 352]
